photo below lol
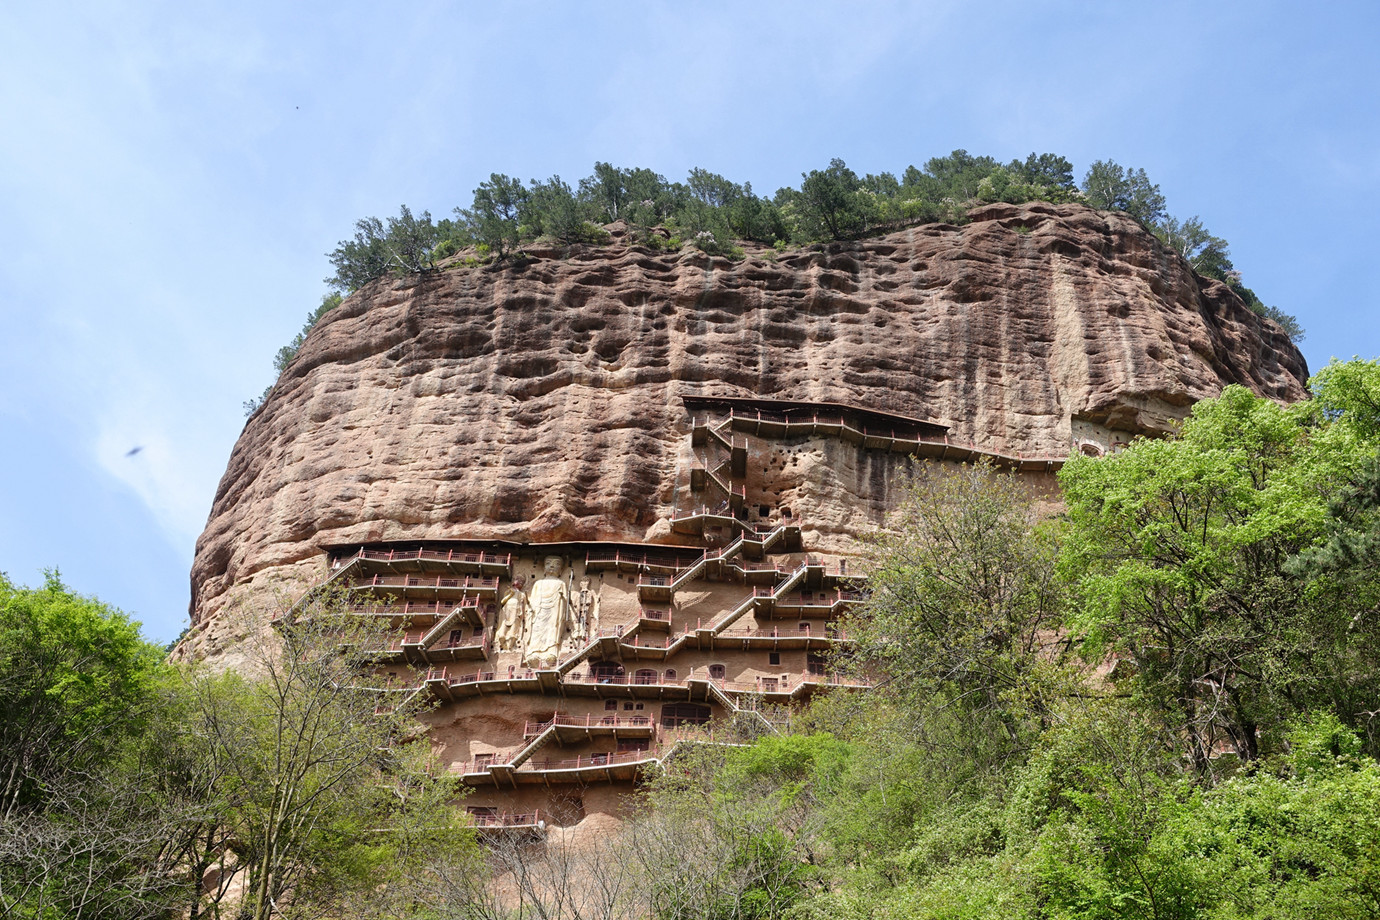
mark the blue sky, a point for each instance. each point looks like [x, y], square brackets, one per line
[171, 175]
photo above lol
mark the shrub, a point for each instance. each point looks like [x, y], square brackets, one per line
[705, 241]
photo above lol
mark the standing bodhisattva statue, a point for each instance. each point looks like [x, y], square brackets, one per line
[548, 616]
[512, 617]
[586, 604]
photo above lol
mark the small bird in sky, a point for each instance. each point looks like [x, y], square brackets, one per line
[134, 450]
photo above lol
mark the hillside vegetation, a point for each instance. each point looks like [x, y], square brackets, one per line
[1158, 704]
[716, 214]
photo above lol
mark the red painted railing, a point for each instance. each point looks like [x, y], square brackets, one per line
[657, 643]
[480, 641]
[777, 632]
[626, 680]
[722, 511]
[787, 683]
[619, 557]
[468, 583]
[603, 759]
[871, 431]
[415, 608]
[766, 567]
[393, 555]
[610, 759]
[444, 674]
[816, 598]
[532, 729]
[506, 819]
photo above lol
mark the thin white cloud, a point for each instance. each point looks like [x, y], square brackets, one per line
[174, 465]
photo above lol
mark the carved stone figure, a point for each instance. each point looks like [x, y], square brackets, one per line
[548, 617]
[512, 617]
[586, 604]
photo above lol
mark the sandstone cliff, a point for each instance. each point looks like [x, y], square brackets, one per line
[543, 402]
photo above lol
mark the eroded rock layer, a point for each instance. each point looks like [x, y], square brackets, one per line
[544, 402]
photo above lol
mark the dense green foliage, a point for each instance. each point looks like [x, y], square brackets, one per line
[75, 679]
[128, 783]
[715, 214]
[1182, 552]
[1159, 703]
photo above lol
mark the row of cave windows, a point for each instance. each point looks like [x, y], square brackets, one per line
[672, 715]
[458, 634]
[608, 670]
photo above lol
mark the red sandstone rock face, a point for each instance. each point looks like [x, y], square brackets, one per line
[543, 402]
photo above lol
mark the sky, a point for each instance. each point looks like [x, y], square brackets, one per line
[172, 175]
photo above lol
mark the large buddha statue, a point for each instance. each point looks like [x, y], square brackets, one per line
[548, 616]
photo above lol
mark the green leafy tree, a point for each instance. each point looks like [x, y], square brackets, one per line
[1352, 549]
[362, 259]
[409, 241]
[1349, 393]
[620, 194]
[1206, 254]
[313, 755]
[832, 203]
[883, 185]
[606, 190]
[642, 185]
[496, 214]
[1181, 550]
[651, 201]
[1003, 184]
[958, 174]
[74, 679]
[724, 839]
[404, 245]
[1287, 322]
[92, 820]
[553, 210]
[963, 600]
[754, 218]
[133, 791]
[1048, 171]
[1111, 187]
[713, 189]
[1300, 840]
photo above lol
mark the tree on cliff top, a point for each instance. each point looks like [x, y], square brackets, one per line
[402, 245]
[711, 211]
[1111, 187]
[496, 213]
[831, 204]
